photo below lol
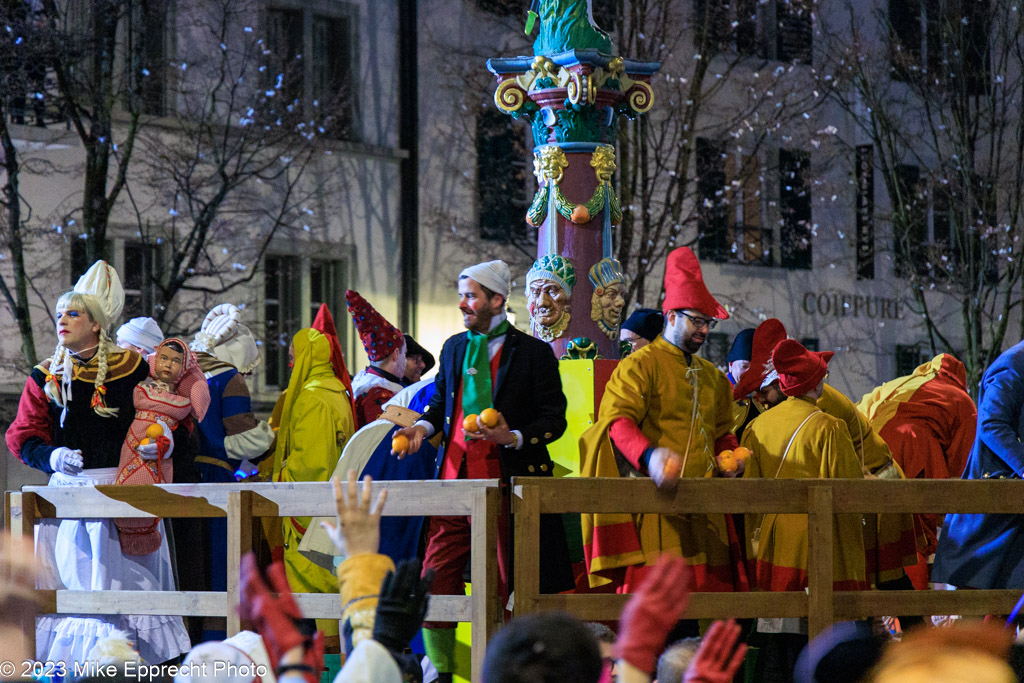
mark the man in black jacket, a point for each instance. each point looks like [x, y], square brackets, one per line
[492, 365]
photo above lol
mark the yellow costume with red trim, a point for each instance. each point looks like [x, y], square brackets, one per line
[889, 539]
[678, 401]
[822, 448]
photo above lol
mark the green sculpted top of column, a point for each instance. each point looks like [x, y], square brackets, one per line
[568, 25]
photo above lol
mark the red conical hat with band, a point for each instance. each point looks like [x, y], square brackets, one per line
[324, 323]
[766, 337]
[685, 288]
[799, 370]
[380, 338]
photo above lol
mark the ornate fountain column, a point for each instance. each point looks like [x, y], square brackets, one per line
[572, 92]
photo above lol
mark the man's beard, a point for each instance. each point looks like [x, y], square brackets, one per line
[481, 321]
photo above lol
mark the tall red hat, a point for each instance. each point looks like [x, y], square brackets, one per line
[766, 337]
[799, 370]
[380, 338]
[685, 288]
[324, 323]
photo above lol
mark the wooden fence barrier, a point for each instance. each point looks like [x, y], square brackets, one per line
[820, 499]
[241, 504]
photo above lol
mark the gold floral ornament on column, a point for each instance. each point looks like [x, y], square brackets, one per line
[548, 289]
[549, 163]
[608, 299]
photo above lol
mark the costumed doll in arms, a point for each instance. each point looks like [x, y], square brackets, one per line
[175, 390]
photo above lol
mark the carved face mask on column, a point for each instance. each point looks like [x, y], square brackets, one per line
[609, 295]
[548, 290]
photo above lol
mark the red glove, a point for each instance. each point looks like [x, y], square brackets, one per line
[276, 617]
[652, 612]
[718, 657]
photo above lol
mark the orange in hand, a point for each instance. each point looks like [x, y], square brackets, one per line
[144, 442]
[470, 423]
[489, 417]
[727, 461]
[154, 431]
[672, 468]
[741, 453]
[400, 444]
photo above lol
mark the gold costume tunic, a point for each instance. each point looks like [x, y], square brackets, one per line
[889, 539]
[821, 449]
[682, 402]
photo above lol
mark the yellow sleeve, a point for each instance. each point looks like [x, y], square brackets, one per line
[839, 460]
[753, 467]
[724, 405]
[359, 579]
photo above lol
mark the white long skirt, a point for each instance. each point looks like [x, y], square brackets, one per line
[85, 554]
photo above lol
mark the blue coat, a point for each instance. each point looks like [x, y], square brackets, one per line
[981, 550]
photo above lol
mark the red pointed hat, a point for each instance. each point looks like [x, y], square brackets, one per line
[685, 288]
[380, 338]
[799, 370]
[766, 337]
[324, 323]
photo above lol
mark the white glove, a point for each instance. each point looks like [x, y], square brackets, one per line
[149, 451]
[66, 460]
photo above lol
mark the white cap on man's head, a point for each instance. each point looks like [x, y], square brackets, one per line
[494, 275]
[141, 332]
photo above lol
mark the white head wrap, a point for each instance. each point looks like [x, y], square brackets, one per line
[223, 336]
[494, 275]
[141, 332]
[101, 281]
[769, 378]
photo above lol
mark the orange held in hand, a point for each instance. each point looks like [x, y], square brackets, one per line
[400, 444]
[470, 423]
[489, 417]
[144, 442]
[672, 468]
[154, 431]
[741, 453]
[727, 461]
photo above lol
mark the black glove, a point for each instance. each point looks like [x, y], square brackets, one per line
[402, 605]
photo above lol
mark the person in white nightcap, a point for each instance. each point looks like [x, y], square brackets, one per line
[142, 335]
[74, 413]
[490, 365]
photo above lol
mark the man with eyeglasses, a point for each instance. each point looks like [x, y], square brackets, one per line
[666, 413]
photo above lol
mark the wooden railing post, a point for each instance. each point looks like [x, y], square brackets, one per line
[526, 534]
[22, 510]
[487, 613]
[819, 559]
[239, 543]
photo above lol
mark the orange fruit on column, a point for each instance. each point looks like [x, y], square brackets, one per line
[400, 443]
[489, 417]
[154, 431]
[470, 423]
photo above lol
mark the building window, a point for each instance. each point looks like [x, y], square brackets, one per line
[794, 31]
[908, 357]
[948, 41]
[502, 179]
[293, 289]
[324, 85]
[154, 18]
[927, 215]
[729, 221]
[138, 272]
[810, 343]
[865, 219]
[795, 208]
